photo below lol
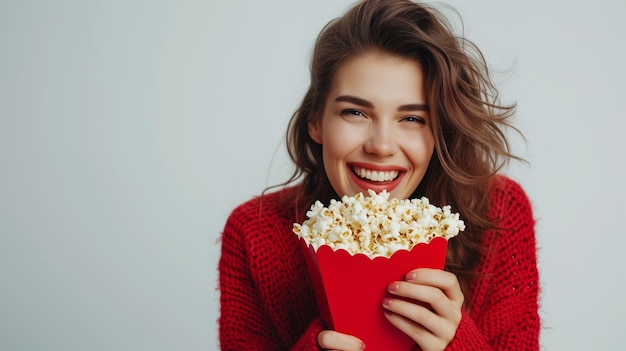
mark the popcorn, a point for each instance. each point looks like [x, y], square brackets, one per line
[376, 226]
[355, 247]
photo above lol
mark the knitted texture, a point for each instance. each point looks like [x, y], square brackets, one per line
[268, 303]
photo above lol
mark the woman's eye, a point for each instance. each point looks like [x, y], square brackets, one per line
[351, 112]
[415, 119]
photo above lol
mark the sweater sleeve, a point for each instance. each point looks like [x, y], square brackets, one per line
[468, 336]
[308, 341]
[507, 316]
[245, 323]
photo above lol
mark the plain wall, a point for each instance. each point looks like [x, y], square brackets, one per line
[130, 129]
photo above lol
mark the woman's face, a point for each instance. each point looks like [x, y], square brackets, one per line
[374, 130]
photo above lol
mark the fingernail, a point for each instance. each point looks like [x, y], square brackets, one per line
[362, 346]
[410, 276]
[393, 286]
[386, 301]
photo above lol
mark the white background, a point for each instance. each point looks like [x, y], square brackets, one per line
[130, 129]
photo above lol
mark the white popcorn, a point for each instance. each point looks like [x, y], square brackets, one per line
[376, 226]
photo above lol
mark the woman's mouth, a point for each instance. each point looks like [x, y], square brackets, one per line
[374, 175]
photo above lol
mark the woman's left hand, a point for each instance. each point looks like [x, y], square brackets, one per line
[432, 328]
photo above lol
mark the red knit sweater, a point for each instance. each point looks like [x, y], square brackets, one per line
[267, 302]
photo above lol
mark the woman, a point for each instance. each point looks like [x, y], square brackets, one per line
[397, 103]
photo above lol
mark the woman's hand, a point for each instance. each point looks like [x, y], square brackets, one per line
[332, 340]
[432, 328]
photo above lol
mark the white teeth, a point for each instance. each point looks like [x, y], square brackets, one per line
[376, 176]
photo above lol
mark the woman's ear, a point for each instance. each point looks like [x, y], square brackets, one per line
[315, 131]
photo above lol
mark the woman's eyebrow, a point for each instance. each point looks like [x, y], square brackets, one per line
[362, 102]
[355, 100]
[414, 107]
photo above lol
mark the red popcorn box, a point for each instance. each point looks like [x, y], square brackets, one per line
[350, 289]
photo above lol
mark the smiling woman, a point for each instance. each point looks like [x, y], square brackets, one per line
[374, 131]
[399, 103]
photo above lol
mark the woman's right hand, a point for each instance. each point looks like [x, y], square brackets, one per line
[332, 340]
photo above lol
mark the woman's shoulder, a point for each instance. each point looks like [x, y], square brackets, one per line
[507, 189]
[508, 199]
[271, 203]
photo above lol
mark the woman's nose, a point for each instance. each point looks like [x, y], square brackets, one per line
[381, 141]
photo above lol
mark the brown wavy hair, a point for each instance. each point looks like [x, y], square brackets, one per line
[468, 122]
